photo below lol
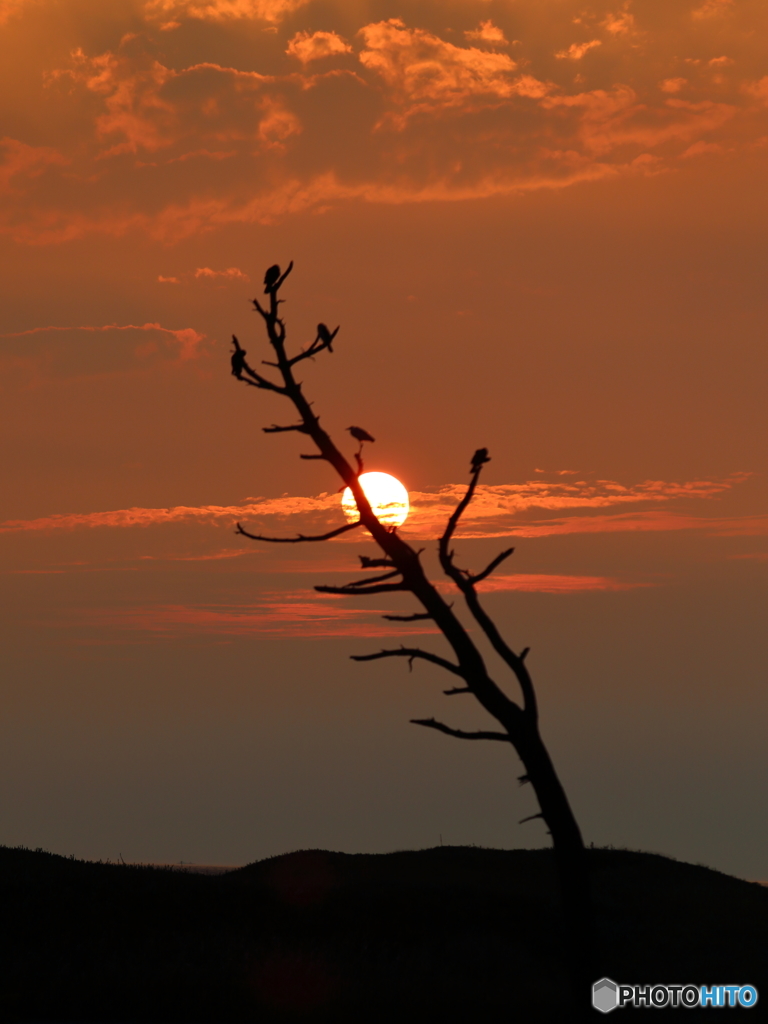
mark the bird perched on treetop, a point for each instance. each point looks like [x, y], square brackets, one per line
[326, 336]
[271, 278]
[480, 456]
[360, 435]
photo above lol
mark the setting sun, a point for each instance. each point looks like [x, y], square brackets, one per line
[388, 498]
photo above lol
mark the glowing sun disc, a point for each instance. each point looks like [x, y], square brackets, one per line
[387, 497]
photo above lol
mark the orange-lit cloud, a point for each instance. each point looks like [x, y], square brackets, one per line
[712, 9]
[547, 584]
[426, 74]
[248, 139]
[305, 613]
[187, 338]
[733, 526]
[21, 162]
[494, 512]
[8, 8]
[673, 84]
[577, 50]
[620, 23]
[487, 32]
[299, 613]
[221, 10]
[306, 47]
[231, 273]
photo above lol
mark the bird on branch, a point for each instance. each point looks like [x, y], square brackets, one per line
[238, 359]
[271, 278]
[360, 435]
[481, 456]
[326, 336]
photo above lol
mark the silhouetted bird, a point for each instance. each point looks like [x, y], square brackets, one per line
[360, 435]
[480, 456]
[271, 278]
[238, 359]
[326, 336]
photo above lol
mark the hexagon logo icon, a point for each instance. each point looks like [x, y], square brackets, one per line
[605, 995]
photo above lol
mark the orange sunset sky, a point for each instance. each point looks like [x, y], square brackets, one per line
[541, 225]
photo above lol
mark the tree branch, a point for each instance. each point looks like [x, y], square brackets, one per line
[417, 617]
[300, 537]
[465, 582]
[458, 689]
[489, 569]
[281, 279]
[349, 591]
[320, 344]
[452, 523]
[430, 723]
[240, 366]
[274, 429]
[375, 563]
[411, 653]
[372, 579]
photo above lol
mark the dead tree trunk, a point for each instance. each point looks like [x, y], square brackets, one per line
[405, 573]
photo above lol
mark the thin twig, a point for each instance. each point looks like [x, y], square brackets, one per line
[372, 579]
[416, 617]
[382, 588]
[411, 653]
[489, 569]
[300, 537]
[274, 429]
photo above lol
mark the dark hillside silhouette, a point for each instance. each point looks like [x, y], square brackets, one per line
[450, 934]
[404, 573]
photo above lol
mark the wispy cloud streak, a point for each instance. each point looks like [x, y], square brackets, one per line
[187, 337]
[304, 613]
[299, 614]
[501, 510]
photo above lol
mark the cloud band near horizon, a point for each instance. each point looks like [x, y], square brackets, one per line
[494, 512]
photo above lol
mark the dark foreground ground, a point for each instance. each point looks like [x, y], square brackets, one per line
[449, 934]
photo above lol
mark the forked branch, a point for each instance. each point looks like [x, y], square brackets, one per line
[465, 581]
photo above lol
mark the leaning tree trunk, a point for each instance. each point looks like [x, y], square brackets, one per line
[404, 572]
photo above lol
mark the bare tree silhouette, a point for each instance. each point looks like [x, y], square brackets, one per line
[405, 573]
